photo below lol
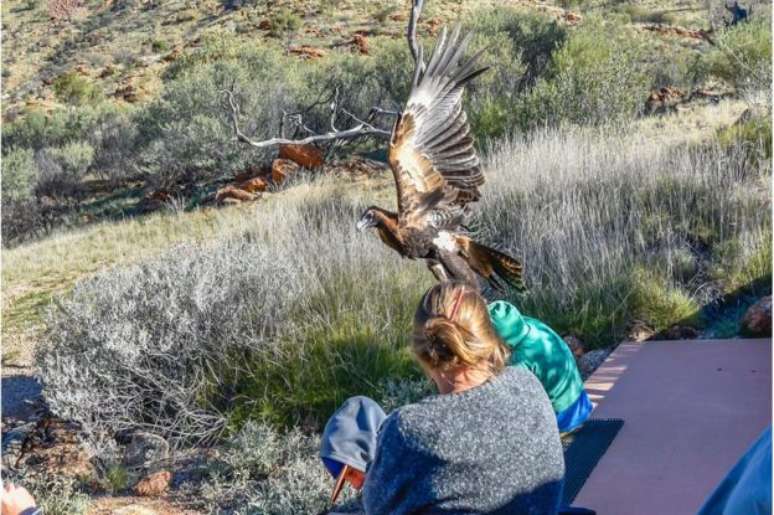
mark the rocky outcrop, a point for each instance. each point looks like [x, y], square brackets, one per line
[361, 43]
[307, 51]
[281, 169]
[254, 185]
[756, 322]
[307, 156]
[233, 195]
[145, 450]
[154, 485]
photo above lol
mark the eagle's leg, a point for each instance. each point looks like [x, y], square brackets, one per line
[457, 268]
[438, 270]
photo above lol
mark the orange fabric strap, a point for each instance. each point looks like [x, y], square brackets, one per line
[456, 305]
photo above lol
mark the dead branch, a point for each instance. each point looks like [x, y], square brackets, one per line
[360, 130]
[414, 46]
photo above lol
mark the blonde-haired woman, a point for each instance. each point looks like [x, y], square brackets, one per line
[487, 444]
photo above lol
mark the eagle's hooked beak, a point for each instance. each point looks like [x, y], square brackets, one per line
[362, 224]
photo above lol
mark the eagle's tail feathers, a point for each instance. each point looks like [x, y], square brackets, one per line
[495, 266]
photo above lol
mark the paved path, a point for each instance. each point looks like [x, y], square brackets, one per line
[691, 409]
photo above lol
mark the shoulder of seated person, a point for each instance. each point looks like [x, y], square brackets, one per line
[520, 378]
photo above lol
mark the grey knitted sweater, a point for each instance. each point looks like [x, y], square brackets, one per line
[492, 449]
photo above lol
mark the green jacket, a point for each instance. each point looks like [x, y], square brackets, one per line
[536, 347]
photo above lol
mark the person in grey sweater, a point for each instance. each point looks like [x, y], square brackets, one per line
[488, 443]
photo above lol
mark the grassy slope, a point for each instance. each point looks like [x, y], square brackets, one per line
[133, 44]
[33, 273]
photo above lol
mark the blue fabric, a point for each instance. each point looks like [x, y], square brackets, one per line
[746, 490]
[333, 466]
[575, 415]
[349, 437]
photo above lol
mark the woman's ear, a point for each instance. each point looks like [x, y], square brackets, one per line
[442, 383]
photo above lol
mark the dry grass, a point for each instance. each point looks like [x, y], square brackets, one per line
[278, 312]
[33, 273]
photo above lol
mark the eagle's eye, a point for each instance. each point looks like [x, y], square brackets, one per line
[366, 221]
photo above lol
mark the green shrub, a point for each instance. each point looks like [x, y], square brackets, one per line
[187, 132]
[641, 14]
[73, 88]
[593, 78]
[284, 21]
[659, 304]
[19, 175]
[753, 132]
[258, 470]
[159, 45]
[744, 262]
[521, 42]
[75, 158]
[116, 478]
[517, 46]
[61, 169]
[741, 56]
[37, 130]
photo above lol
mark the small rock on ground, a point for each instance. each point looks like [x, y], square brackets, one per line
[590, 361]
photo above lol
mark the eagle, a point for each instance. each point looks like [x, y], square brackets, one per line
[437, 174]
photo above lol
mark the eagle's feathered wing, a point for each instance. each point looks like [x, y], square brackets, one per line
[436, 168]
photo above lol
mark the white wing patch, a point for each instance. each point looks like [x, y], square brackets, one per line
[446, 241]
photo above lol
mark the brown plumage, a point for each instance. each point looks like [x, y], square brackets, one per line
[437, 174]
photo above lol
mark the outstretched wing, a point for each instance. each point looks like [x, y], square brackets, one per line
[431, 149]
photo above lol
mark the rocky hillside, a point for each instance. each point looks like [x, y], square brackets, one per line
[122, 47]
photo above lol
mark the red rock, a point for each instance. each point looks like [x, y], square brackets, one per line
[251, 172]
[361, 42]
[107, 71]
[154, 485]
[757, 320]
[433, 25]
[173, 55]
[253, 185]
[264, 25]
[572, 18]
[307, 51]
[232, 193]
[281, 169]
[160, 196]
[307, 156]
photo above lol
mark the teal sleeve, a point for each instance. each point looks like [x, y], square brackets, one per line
[507, 322]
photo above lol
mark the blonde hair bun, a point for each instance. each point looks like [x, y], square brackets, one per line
[452, 328]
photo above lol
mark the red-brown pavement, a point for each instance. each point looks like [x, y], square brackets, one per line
[691, 409]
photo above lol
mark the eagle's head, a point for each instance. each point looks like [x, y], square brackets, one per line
[368, 219]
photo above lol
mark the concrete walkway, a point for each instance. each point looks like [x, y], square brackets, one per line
[691, 409]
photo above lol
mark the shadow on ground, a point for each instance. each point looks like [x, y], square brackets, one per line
[19, 393]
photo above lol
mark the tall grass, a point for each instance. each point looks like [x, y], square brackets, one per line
[282, 322]
[611, 225]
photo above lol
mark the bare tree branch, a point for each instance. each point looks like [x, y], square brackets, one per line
[414, 46]
[362, 129]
